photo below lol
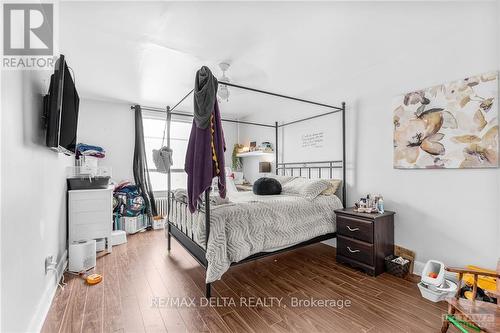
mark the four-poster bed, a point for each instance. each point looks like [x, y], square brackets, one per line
[184, 234]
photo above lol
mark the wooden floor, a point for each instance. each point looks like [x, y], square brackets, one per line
[140, 278]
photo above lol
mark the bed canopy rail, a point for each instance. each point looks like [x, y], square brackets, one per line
[261, 92]
[188, 115]
[186, 240]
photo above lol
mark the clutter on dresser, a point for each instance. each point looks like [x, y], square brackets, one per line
[372, 203]
[89, 155]
[83, 149]
[87, 174]
[433, 285]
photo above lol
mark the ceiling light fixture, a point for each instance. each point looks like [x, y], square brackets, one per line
[223, 91]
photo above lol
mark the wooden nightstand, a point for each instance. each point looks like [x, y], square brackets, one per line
[364, 240]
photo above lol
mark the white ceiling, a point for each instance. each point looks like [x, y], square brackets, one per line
[148, 52]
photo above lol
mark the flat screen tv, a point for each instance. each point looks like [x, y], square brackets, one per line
[61, 109]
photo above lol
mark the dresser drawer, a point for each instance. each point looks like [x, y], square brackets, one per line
[355, 249]
[355, 228]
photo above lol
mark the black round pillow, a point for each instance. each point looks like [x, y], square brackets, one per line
[266, 186]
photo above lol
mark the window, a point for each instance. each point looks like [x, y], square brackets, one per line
[154, 125]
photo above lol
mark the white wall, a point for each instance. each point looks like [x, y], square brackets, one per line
[33, 204]
[111, 126]
[449, 215]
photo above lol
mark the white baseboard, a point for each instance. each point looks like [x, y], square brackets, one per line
[48, 295]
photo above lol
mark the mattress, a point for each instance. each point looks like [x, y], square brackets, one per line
[250, 224]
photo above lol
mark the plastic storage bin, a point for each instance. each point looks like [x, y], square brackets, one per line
[158, 223]
[133, 224]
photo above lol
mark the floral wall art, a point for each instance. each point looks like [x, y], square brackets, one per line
[452, 125]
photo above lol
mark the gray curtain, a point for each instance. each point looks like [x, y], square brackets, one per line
[141, 174]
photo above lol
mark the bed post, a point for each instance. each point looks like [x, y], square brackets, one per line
[169, 186]
[208, 288]
[344, 185]
[276, 146]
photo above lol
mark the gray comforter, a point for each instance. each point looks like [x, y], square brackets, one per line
[252, 224]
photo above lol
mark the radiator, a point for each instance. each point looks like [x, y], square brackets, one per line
[161, 206]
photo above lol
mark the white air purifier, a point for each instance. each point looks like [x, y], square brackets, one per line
[82, 256]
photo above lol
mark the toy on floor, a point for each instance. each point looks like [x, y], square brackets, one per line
[93, 279]
[433, 286]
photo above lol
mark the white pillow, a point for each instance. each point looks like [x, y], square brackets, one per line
[333, 187]
[307, 188]
[282, 179]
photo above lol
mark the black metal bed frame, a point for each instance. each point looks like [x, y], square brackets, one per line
[188, 242]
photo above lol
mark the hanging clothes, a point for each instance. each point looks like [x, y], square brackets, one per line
[162, 159]
[206, 146]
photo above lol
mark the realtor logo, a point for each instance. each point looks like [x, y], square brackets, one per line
[28, 29]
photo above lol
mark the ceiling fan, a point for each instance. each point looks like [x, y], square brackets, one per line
[223, 90]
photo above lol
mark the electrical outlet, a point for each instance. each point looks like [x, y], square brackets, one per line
[50, 263]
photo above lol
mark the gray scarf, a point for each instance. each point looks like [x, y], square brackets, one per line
[205, 93]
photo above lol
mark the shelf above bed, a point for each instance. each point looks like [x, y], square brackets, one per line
[254, 153]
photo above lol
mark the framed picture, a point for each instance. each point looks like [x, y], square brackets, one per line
[253, 145]
[452, 125]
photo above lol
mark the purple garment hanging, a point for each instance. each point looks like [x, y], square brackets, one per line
[199, 164]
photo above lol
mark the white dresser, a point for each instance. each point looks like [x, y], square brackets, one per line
[90, 215]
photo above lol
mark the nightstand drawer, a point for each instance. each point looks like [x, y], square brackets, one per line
[355, 228]
[356, 250]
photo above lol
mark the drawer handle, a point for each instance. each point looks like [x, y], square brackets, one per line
[352, 229]
[353, 251]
